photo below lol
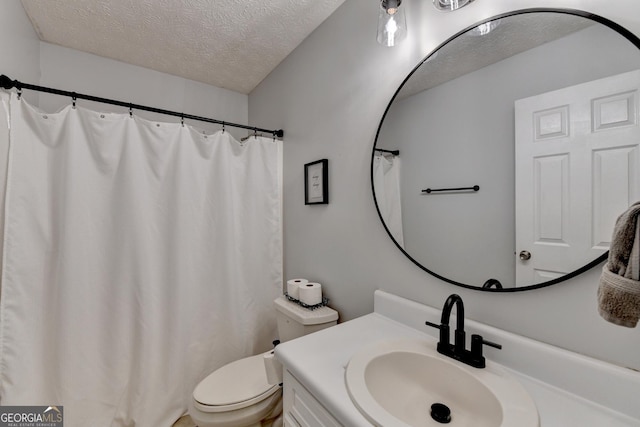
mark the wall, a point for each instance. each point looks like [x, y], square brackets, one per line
[72, 70]
[329, 96]
[475, 145]
[23, 57]
[19, 46]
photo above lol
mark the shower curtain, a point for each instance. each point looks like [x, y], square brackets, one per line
[138, 257]
[386, 184]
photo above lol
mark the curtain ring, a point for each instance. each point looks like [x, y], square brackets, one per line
[19, 92]
[274, 136]
[73, 100]
[130, 111]
[255, 133]
[223, 127]
[182, 119]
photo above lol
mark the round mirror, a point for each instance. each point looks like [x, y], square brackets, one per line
[505, 157]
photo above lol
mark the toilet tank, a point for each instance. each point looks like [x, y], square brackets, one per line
[295, 321]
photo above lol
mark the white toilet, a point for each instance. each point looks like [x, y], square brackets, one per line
[238, 394]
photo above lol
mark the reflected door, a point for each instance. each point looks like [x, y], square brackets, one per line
[577, 169]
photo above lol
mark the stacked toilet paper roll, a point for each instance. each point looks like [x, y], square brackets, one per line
[293, 286]
[310, 293]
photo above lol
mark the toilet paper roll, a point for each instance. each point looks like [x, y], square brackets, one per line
[293, 285]
[273, 368]
[310, 293]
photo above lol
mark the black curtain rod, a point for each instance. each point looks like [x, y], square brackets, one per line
[7, 83]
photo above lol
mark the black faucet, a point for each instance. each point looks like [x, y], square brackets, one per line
[457, 350]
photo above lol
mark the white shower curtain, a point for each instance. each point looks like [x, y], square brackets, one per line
[138, 257]
[386, 185]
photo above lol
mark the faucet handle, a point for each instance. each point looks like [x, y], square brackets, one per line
[476, 346]
[477, 342]
[491, 344]
[444, 346]
[433, 325]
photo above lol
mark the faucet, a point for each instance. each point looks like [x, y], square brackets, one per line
[457, 350]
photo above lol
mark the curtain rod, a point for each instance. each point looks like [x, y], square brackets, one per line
[7, 83]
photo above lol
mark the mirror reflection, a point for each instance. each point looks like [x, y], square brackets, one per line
[539, 112]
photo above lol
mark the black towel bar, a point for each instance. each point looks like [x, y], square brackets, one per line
[433, 190]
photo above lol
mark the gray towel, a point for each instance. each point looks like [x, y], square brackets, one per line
[619, 290]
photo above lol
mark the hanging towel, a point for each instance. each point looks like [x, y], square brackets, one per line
[619, 290]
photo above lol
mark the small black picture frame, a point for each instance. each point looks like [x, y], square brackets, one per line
[316, 183]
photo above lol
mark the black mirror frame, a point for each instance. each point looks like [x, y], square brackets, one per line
[599, 19]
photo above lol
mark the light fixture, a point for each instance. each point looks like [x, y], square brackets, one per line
[392, 23]
[450, 5]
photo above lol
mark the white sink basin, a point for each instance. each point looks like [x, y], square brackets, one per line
[395, 384]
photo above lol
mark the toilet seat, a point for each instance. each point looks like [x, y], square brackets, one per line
[234, 386]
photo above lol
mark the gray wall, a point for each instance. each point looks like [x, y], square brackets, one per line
[329, 96]
[72, 70]
[461, 133]
[23, 57]
[19, 46]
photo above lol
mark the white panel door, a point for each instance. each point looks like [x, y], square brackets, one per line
[577, 169]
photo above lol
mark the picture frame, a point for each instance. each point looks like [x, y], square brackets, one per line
[316, 182]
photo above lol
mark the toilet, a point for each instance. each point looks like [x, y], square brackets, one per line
[238, 394]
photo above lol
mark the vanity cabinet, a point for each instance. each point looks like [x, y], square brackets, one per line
[301, 409]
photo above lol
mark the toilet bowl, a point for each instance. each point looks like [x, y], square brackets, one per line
[238, 394]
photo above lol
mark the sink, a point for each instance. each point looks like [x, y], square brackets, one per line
[408, 383]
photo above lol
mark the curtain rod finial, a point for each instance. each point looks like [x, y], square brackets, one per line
[6, 82]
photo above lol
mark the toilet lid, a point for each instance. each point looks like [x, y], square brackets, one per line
[238, 384]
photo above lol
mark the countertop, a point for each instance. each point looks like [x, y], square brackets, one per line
[564, 391]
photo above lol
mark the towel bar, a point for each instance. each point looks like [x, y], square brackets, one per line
[433, 190]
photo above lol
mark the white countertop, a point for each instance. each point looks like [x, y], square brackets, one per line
[571, 391]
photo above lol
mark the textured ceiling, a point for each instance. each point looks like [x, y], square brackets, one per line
[232, 44]
[469, 52]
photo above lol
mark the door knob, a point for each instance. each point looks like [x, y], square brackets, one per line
[525, 255]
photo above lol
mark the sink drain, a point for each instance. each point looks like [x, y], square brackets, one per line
[441, 413]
